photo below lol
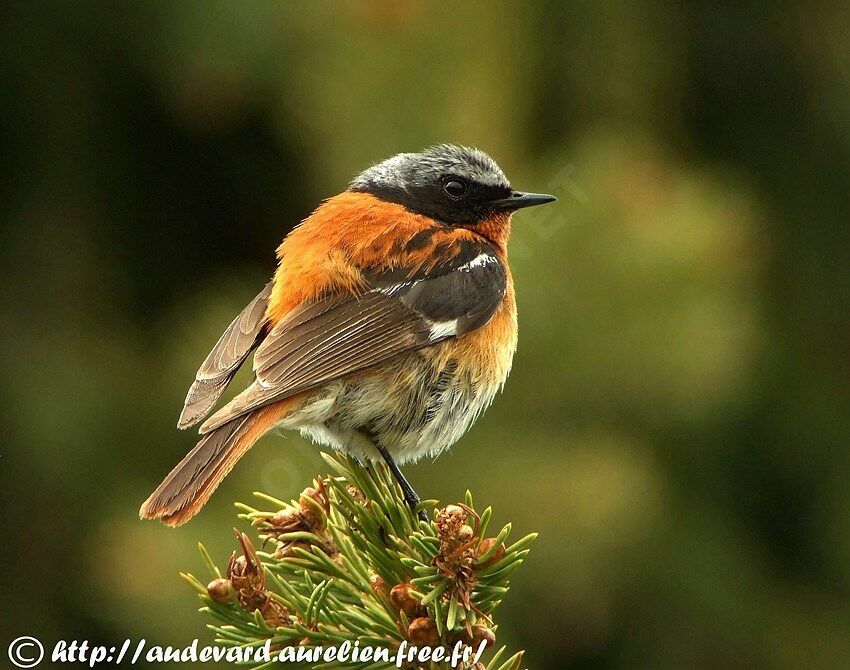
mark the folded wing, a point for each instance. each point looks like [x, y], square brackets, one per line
[337, 336]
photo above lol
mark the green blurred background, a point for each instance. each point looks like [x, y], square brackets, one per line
[677, 425]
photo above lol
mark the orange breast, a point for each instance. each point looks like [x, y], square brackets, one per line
[488, 351]
[349, 233]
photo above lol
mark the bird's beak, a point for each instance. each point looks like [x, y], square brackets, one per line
[520, 199]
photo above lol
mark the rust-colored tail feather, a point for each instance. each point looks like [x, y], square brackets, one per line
[190, 484]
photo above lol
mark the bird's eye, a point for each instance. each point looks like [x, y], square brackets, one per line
[454, 187]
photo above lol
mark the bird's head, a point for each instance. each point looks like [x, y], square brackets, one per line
[457, 186]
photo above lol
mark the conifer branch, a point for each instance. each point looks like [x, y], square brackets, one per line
[350, 562]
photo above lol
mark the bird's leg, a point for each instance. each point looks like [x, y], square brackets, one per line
[410, 496]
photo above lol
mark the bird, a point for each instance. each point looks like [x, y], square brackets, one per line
[388, 326]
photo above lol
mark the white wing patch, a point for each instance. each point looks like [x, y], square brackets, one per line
[439, 330]
[479, 261]
[442, 329]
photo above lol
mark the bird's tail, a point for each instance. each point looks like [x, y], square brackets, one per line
[190, 484]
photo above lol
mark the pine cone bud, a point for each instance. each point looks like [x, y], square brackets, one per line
[274, 613]
[454, 512]
[379, 586]
[402, 597]
[423, 631]
[497, 556]
[314, 518]
[481, 633]
[239, 567]
[449, 521]
[465, 534]
[285, 518]
[219, 590]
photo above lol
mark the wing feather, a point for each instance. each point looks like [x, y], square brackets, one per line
[221, 364]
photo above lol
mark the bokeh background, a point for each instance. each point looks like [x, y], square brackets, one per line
[677, 425]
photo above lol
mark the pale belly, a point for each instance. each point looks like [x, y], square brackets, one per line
[418, 404]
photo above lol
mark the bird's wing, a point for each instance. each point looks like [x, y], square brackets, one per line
[337, 336]
[241, 336]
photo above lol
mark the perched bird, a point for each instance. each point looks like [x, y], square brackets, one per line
[388, 327]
